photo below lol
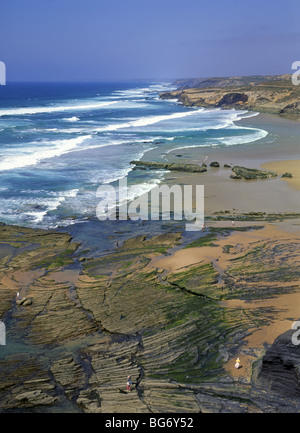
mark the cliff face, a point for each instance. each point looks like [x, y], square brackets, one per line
[275, 95]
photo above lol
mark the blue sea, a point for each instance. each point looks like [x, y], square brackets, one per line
[60, 141]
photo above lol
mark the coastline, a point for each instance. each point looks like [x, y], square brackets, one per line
[236, 198]
[241, 196]
[157, 305]
[278, 195]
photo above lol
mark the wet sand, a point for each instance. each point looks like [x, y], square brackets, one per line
[288, 166]
[287, 312]
[274, 195]
[222, 193]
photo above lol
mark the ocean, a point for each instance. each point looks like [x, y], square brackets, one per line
[60, 141]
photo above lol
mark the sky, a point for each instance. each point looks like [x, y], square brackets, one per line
[91, 40]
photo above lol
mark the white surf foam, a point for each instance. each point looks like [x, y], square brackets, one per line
[54, 108]
[145, 121]
[50, 204]
[256, 135]
[132, 192]
[34, 209]
[223, 121]
[38, 153]
[71, 119]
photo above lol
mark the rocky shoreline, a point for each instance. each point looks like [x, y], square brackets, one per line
[92, 322]
[193, 168]
[271, 94]
[237, 171]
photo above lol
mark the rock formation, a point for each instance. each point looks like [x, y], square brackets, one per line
[268, 94]
[194, 168]
[251, 173]
[93, 322]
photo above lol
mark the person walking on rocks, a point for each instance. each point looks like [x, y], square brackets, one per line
[237, 363]
[129, 383]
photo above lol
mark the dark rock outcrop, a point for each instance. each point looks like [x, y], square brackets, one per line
[250, 173]
[280, 368]
[293, 108]
[232, 98]
[194, 168]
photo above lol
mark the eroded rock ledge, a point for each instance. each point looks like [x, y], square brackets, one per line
[74, 345]
[194, 168]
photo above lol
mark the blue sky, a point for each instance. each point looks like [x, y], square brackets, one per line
[65, 40]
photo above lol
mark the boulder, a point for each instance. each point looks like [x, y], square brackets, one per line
[250, 173]
[194, 168]
[289, 175]
[214, 164]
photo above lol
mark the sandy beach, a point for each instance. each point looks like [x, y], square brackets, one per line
[172, 310]
[274, 195]
[286, 166]
[124, 288]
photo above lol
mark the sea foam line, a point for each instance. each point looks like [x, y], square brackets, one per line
[53, 109]
[257, 134]
[51, 204]
[58, 147]
[230, 141]
[145, 121]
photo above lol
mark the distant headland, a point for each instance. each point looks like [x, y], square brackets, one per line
[275, 94]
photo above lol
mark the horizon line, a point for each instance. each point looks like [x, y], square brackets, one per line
[99, 80]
